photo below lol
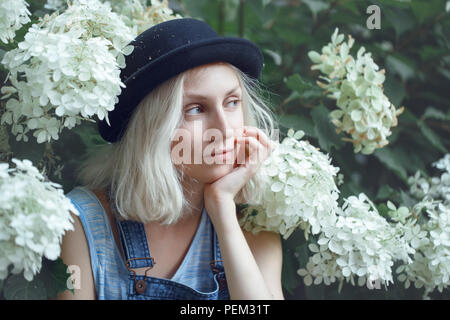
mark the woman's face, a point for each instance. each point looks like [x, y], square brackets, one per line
[213, 117]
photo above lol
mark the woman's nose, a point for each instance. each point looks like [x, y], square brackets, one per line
[221, 121]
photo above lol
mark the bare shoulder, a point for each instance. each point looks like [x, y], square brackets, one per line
[267, 250]
[75, 252]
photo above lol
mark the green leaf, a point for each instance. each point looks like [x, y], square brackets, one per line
[89, 135]
[407, 200]
[54, 275]
[306, 89]
[325, 130]
[394, 90]
[316, 6]
[351, 6]
[20, 34]
[299, 123]
[231, 9]
[384, 193]
[277, 59]
[293, 96]
[432, 53]
[291, 35]
[435, 98]
[431, 136]
[400, 65]
[407, 118]
[392, 3]
[400, 19]
[18, 288]
[383, 210]
[2, 54]
[395, 134]
[30, 150]
[265, 2]
[433, 113]
[444, 72]
[393, 159]
[425, 10]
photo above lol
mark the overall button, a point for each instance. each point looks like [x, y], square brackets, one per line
[140, 286]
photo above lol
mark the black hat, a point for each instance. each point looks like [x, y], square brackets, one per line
[166, 50]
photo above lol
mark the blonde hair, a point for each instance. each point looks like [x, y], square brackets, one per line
[145, 185]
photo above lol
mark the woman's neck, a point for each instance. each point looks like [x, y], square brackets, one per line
[190, 218]
[193, 192]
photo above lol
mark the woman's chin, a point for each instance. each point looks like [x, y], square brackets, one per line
[216, 171]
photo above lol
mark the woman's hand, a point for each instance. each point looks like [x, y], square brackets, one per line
[253, 148]
[252, 264]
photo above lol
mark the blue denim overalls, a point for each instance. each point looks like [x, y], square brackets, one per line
[141, 287]
[115, 278]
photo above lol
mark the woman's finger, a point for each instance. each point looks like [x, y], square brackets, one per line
[259, 135]
[256, 154]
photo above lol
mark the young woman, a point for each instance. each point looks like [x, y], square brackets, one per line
[157, 210]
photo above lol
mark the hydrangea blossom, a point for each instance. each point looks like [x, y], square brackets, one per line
[141, 14]
[431, 262]
[136, 13]
[13, 14]
[357, 86]
[431, 239]
[361, 243]
[300, 190]
[436, 187]
[34, 215]
[66, 70]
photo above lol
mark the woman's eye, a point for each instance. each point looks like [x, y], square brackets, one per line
[235, 101]
[189, 111]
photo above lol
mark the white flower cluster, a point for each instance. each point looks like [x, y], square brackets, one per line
[34, 215]
[13, 14]
[136, 13]
[431, 262]
[437, 188]
[431, 240]
[140, 14]
[66, 70]
[300, 190]
[360, 243]
[364, 111]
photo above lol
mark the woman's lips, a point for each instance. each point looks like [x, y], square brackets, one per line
[223, 156]
[221, 152]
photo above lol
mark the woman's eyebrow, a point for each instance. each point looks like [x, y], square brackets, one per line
[199, 96]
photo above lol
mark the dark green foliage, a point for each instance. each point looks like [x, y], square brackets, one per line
[46, 285]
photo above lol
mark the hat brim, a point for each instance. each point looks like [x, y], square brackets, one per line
[239, 52]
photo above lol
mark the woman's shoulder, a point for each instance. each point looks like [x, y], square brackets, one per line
[77, 247]
[86, 199]
[90, 205]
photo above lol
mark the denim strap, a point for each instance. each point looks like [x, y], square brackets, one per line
[135, 244]
[133, 240]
